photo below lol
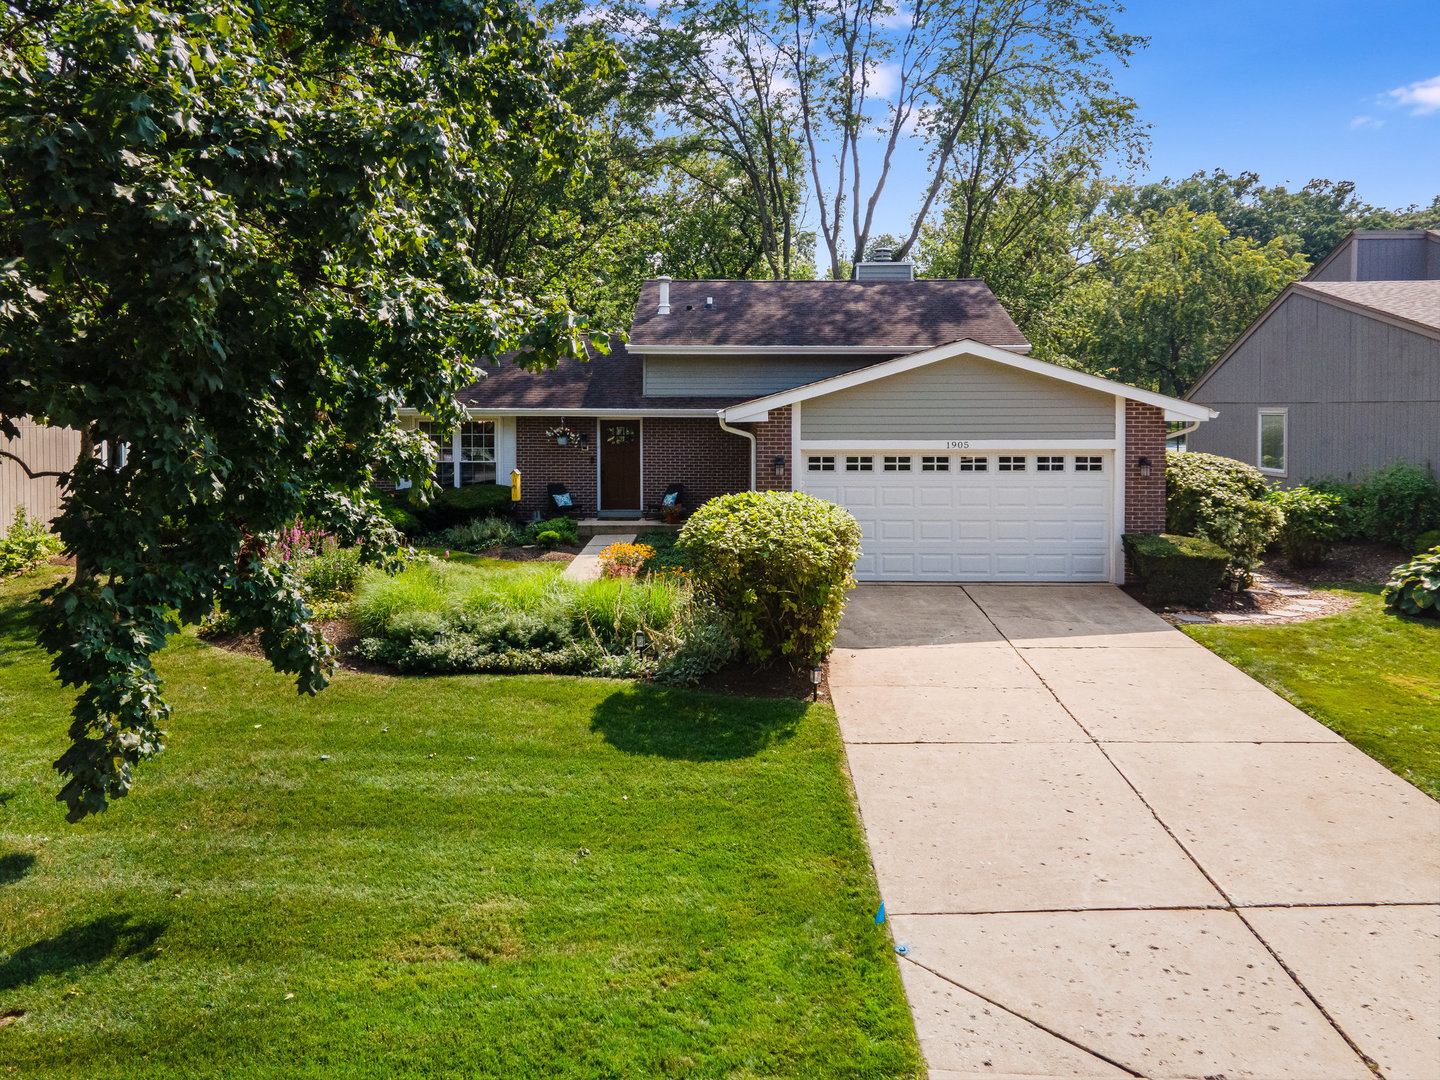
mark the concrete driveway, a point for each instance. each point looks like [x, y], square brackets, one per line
[1108, 853]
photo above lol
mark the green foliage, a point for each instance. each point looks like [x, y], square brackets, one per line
[1311, 526]
[1178, 571]
[1350, 523]
[669, 555]
[778, 563]
[444, 617]
[402, 519]
[332, 574]
[239, 243]
[1414, 587]
[1223, 501]
[458, 505]
[26, 544]
[1426, 541]
[1400, 502]
[565, 530]
[548, 538]
[480, 534]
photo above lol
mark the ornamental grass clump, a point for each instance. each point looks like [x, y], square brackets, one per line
[1414, 587]
[778, 563]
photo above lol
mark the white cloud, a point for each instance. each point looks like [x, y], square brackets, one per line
[882, 80]
[1365, 122]
[1422, 97]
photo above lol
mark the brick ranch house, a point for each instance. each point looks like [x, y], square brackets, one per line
[911, 403]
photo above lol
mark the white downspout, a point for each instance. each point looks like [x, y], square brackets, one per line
[747, 434]
[1186, 430]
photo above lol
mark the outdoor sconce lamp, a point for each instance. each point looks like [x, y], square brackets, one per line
[1143, 463]
[816, 673]
[779, 464]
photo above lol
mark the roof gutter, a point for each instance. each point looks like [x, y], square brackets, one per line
[720, 415]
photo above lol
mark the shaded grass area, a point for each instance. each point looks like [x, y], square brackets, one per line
[489, 877]
[1368, 674]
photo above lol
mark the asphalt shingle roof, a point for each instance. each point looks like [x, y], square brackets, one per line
[1414, 301]
[904, 315]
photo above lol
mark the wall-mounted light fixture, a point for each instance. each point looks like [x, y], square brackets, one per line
[1143, 463]
[779, 466]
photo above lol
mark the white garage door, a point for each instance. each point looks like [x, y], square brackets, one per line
[974, 517]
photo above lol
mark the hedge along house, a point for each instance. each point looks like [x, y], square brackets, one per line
[910, 403]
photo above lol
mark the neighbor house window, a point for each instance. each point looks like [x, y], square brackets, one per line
[1049, 463]
[1273, 424]
[822, 464]
[894, 463]
[864, 463]
[1088, 464]
[974, 464]
[1011, 464]
[937, 463]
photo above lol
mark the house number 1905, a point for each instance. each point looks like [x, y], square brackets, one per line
[958, 444]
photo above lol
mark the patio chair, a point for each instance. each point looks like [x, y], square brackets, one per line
[561, 501]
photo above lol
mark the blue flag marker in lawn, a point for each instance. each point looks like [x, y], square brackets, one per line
[880, 915]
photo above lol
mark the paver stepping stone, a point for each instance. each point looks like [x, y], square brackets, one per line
[1165, 993]
[1290, 823]
[1376, 970]
[1013, 827]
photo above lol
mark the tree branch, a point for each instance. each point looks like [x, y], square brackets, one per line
[28, 471]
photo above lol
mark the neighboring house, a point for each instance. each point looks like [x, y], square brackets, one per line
[1341, 374]
[911, 403]
[43, 449]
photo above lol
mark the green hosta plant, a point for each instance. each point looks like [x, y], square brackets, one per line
[1311, 528]
[1414, 587]
[778, 563]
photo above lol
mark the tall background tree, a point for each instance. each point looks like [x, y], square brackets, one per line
[236, 237]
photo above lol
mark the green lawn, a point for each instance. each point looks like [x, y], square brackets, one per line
[1368, 674]
[424, 895]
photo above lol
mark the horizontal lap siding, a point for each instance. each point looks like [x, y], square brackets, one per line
[43, 449]
[738, 378]
[963, 398]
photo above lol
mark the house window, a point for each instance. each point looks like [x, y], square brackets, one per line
[1049, 463]
[934, 463]
[477, 452]
[974, 464]
[445, 450]
[821, 464]
[1088, 464]
[895, 463]
[1273, 436]
[864, 463]
[1011, 464]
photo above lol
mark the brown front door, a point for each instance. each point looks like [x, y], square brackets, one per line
[620, 465]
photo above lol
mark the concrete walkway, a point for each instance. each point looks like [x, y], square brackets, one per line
[1108, 853]
[586, 565]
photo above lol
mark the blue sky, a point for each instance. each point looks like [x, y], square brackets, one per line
[1286, 89]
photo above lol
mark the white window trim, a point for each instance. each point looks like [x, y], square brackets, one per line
[1282, 411]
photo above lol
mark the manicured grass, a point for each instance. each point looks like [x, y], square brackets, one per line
[1368, 674]
[426, 894]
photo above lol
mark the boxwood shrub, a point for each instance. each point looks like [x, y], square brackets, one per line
[778, 563]
[1224, 501]
[1414, 587]
[1178, 571]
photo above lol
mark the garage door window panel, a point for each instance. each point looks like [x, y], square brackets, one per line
[821, 464]
[1089, 464]
[1011, 463]
[1049, 463]
[859, 463]
[934, 463]
[897, 463]
[974, 464]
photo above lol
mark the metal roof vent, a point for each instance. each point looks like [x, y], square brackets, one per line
[881, 268]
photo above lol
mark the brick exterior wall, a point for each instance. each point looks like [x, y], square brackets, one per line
[1144, 497]
[772, 440]
[695, 452]
[541, 462]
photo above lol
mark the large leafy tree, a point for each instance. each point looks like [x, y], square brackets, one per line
[236, 237]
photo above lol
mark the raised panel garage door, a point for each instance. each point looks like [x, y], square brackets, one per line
[983, 517]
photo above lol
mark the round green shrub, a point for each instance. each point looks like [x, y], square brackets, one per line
[1224, 501]
[549, 538]
[1427, 541]
[1401, 502]
[778, 564]
[1414, 587]
[404, 521]
[1311, 527]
